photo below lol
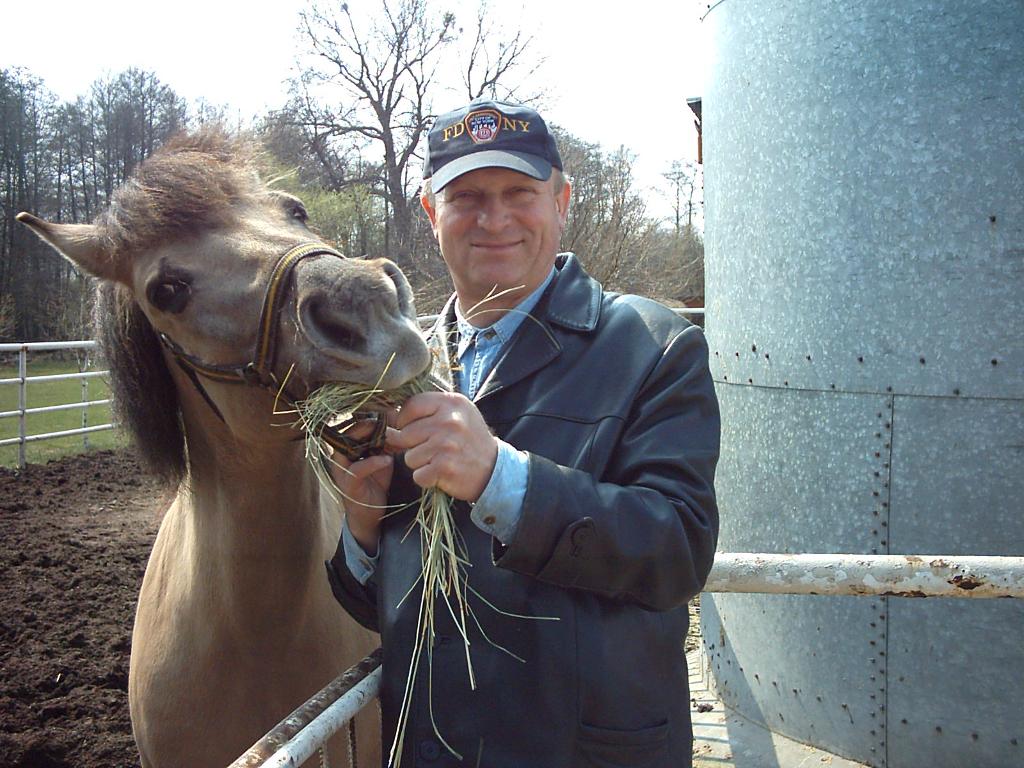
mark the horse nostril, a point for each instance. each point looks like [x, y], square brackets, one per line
[332, 326]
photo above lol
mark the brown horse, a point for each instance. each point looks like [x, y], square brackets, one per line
[235, 625]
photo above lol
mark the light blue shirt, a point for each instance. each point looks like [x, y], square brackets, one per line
[498, 510]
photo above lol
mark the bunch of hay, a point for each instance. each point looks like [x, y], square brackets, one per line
[338, 406]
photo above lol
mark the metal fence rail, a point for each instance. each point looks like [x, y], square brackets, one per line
[974, 577]
[23, 379]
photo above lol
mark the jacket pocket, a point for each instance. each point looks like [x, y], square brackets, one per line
[613, 748]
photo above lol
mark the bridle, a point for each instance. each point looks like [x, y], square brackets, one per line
[259, 371]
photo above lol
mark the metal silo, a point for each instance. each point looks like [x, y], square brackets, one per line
[864, 183]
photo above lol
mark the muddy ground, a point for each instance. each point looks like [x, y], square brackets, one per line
[74, 538]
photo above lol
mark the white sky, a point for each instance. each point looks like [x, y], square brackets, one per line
[616, 75]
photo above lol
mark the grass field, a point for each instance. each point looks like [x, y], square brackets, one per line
[40, 394]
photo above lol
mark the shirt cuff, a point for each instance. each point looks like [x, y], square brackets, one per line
[500, 506]
[361, 565]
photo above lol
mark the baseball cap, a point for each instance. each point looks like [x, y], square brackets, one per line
[489, 134]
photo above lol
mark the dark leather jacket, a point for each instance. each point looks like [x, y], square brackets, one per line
[612, 397]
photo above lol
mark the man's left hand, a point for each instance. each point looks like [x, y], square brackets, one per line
[447, 444]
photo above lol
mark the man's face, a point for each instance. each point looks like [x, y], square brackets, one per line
[497, 229]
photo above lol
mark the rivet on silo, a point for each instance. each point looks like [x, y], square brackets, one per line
[753, 347]
[860, 359]
[921, 360]
[956, 391]
[994, 361]
[938, 729]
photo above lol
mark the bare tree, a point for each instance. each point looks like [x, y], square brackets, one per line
[365, 103]
[489, 64]
[607, 225]
[682, 175]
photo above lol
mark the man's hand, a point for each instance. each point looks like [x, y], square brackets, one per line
[364, 487]
[447, 444]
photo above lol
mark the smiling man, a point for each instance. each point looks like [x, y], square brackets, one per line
[580, 445]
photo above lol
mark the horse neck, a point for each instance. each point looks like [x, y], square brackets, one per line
[252, 499]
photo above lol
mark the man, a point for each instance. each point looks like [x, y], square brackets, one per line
[581, 446]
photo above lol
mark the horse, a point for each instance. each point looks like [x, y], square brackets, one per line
[200, 261]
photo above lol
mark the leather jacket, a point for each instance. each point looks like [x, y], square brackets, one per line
[612, 397]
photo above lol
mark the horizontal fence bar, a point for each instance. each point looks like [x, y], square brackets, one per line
[882, 575]
[52, 408]
[45, 346]
[313, 723]
[57, 377]
[969, 576]
[54, 435]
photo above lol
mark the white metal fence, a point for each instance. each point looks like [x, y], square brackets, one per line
[22, 382]
[297, 737]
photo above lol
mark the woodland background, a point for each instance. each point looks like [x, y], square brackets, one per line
[348, 141]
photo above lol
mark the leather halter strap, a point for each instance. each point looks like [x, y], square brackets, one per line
[259, 371]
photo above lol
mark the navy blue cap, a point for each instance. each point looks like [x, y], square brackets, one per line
[489, 134]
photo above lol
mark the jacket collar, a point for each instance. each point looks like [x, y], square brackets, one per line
[572, 301]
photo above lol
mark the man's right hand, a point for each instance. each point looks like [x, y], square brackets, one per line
[364, 488]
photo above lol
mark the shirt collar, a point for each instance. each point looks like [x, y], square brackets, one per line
[506, 326]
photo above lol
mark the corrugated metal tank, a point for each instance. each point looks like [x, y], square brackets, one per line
[864, 185]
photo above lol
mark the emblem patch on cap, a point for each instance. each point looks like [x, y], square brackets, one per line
[483, 125]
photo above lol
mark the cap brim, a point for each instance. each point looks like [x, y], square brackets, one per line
[532, 165]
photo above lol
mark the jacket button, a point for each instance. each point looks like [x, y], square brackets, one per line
[582, 536]
[430, 750]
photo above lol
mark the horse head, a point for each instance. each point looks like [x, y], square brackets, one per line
[238, 288]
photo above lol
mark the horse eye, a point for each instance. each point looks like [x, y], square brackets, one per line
[169, 294]
[299, 213]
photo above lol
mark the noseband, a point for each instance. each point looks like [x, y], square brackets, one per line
[259, 372]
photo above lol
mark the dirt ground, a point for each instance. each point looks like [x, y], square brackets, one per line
[74, 538]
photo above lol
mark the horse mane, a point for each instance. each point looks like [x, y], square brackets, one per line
[190, 185]
[193, 183]
[143, 395]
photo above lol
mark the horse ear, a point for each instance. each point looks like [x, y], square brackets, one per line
[79, 243]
